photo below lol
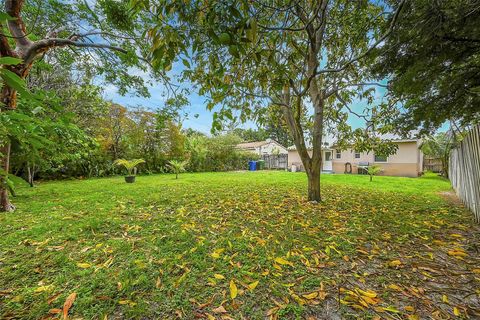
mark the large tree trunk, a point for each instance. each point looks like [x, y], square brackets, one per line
[313, 176]
[9, 102]
[5, 204]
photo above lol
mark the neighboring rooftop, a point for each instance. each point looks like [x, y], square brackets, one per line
[256, 144]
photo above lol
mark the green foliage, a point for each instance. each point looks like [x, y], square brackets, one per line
[216, 153]
[439, 146]
[435, 74]
[177, 166]
[130, 165]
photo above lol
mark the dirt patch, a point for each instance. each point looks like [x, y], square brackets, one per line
[451, 197]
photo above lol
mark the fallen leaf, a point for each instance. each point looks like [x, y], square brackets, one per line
[391, 309]
[68, 304]
[253, 285]
[282, 261]
[55, 311]
[83, 265]
[395, 263]
[310, 296]
[218, 276]
[394, 287]
[220, 309]
[456, 311]
[233, 289]
[44, 288]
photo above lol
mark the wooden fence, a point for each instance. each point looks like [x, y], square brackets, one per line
[432, 164]
[464, 171]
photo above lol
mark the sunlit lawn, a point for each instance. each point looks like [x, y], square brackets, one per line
[165, 248]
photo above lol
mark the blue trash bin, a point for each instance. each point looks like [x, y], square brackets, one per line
[252, 165]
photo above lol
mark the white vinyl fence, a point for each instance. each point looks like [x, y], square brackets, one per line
[464, 171]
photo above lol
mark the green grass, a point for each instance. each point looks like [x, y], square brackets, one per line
[144, 250]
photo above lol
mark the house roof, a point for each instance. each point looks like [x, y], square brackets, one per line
[331, 143]
[253, 144]
[256, 144]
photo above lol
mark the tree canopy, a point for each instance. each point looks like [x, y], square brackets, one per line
[307, 58]
[432, 62]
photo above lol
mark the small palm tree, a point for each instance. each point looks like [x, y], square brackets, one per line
[177, 166]
[130, 165]
[373, 171]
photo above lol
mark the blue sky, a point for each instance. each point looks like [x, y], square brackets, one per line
[198, 117]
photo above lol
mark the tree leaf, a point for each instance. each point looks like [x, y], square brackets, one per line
[253, 285]
[10, 61]
[84, 265]
[68, 304]
[219, 309]
[283, 261]
[233, 290]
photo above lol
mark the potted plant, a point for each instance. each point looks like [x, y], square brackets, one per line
[131, 166]
[177, 166]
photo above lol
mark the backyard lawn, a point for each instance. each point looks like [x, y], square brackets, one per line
[239, 245]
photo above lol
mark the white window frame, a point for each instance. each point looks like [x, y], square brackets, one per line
[355, 154]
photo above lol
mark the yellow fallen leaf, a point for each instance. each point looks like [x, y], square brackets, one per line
[310, 296]
[391, 309]
[476, 270]
[394, 287]
[44, 288]
[395, 263]
[413, 317]
[368, 293]
[457, 253]
[253, 285]
[282, 261]
[129, 302]
[445, 298]
[216, 253]
[409, 308]
[83, 265]
[233, 289]
[456, 311]
[218, 276]
[210, 317]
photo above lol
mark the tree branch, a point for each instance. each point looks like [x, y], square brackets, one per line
[364, 54]
[16, 26]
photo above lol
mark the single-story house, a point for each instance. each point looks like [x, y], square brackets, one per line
[406, 162]
[268, 146]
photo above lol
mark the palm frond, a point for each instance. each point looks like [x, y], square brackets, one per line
[128, 164]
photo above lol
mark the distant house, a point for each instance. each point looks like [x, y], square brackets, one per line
[261, 148]
[406, 162]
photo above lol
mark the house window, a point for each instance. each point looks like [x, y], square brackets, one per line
[338, 153]
[357, 155]
[379, 158]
